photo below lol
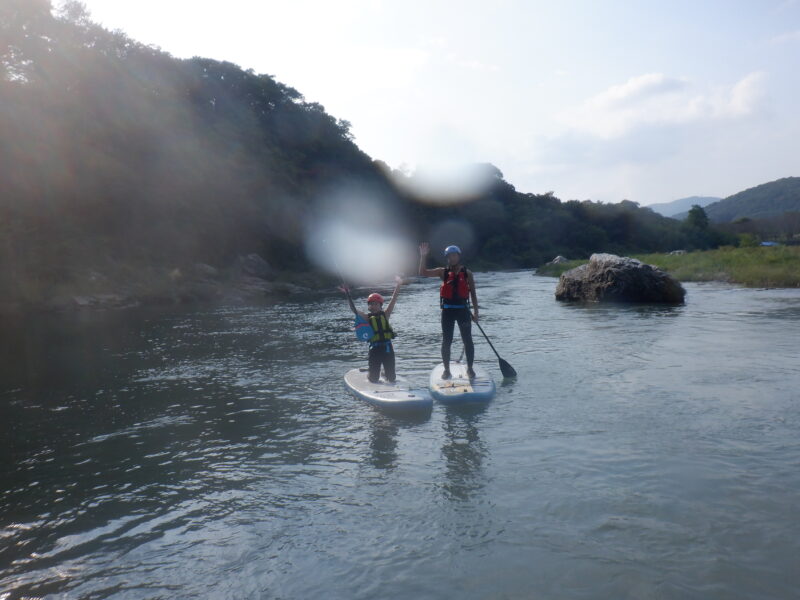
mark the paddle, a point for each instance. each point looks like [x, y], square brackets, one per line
[506, 369]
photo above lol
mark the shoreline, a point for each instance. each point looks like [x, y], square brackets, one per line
[758, 267]
[199, 285]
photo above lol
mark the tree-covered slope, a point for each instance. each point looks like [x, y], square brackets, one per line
[117, 153]
[119, 162]
[762, 201]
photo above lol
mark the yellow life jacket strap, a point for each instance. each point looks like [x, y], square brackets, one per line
[380, 325]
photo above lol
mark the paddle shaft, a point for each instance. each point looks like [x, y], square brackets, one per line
[488, 340]
[505, 368]
[349, 298]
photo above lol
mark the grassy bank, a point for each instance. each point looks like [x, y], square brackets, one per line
[752, 267]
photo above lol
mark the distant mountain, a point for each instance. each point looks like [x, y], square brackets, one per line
[763, 201]
[682, 205]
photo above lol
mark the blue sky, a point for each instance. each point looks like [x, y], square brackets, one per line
[641, 100]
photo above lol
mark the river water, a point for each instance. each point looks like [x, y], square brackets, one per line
[643, 452]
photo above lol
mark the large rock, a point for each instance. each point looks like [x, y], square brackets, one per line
[610, 278]
[558, 260]
[255, 266]
[204, 271]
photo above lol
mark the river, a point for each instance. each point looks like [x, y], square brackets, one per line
[643, 452]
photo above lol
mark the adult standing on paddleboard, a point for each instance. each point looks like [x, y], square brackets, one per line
[458, 287]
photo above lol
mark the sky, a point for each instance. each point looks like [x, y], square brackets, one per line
[643, 100]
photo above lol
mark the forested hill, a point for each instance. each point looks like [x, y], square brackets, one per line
[121, 163]
[763, 201]
[118, 156]
[119, 138]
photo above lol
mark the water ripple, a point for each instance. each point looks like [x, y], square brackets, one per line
[641, 452]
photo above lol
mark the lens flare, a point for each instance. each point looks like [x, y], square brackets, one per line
[448, 185]
[359, 237]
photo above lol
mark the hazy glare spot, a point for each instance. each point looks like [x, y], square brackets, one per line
[357, 235]
[450, 185]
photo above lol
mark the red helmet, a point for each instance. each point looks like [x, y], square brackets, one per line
[374, 297]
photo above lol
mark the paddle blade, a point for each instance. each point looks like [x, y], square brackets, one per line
[507, 370]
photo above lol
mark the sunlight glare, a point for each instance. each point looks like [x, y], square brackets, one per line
[359, 238]
[448, 185]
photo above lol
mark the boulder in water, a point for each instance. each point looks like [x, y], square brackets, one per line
[611, 278]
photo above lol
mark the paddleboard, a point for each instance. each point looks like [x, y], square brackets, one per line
[397, 395]
[460, 389]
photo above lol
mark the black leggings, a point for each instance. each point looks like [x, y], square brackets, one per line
[381, 354]
[464, 319]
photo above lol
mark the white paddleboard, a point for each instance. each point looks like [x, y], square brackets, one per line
[460, 389]
[383, 394]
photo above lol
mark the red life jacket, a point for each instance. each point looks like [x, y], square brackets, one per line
[455, 287]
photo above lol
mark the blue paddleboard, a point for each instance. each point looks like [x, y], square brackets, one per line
[460, 389]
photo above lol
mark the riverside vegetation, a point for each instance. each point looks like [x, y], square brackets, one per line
[129, 174]
[768, 267]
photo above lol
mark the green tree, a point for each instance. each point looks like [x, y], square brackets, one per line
[697, 218]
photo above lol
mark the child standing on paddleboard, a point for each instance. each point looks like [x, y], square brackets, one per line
[381, 351]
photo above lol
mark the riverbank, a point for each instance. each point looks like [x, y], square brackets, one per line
[774, 267]
[110, 286]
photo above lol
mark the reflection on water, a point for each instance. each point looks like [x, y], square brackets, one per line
[463, 452]
[385, 428]
[642, 452]
[383, 442]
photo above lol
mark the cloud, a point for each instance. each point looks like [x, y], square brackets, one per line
[647, 145]
[785, 5]
[472, 64]
[638, 89]
[786, 38]
[745, 97]
[654, 99]
[391, 68]
[632, 139]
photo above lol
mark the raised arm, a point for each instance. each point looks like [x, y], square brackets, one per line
[393, 299]
[346, 291]
[424, 250]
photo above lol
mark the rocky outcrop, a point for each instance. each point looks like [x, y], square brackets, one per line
[558, 260]
[611, 278]
[253, 265]
[205, 271]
